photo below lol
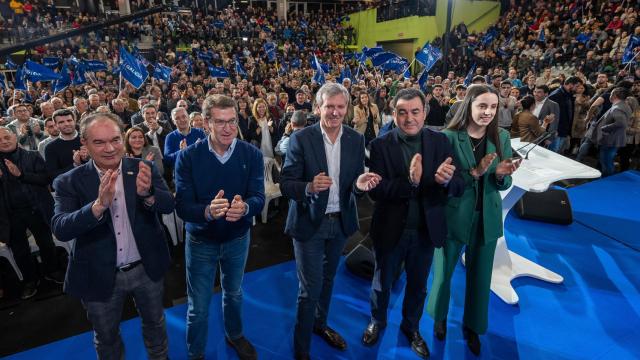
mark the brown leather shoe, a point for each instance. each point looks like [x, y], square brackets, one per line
[331, 337]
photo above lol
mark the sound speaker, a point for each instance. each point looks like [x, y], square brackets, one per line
[551, 206]
[360, 261]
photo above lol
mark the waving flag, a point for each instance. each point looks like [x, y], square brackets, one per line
[316, 64]
[369, 52]
[240, 70]
[469, 77]
[583, 38]
[488, 38]
[382, 57]
[345, 74]
[319, 77]
[303, 24]
[95, 65]
[629, 55]
[79, 75]
[162, 72]
[73, 61]
[398, 64]
[187, 61]
[270, 50]
[202, 55]
[20, 83]
[36, 72]
[51, 62]
[218, 24]
[132, 69]
[295, 63]
[541, 35]
[10, 65]
[64, 81]
[429, 56]
[218, 72]
[422, 79]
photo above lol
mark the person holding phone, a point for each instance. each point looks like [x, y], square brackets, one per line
[482, 151]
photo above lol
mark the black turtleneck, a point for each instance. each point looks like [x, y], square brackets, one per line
[411, 145]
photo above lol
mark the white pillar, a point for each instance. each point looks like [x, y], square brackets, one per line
[282, 6]
[124, 7]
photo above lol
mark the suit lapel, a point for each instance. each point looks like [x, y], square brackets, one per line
[464, 146]
[395, 154]
[345, 145]
[317, 142]
[129, 174]
[91, 180]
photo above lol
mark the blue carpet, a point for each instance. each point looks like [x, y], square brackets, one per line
[594, 314]
[610, 206]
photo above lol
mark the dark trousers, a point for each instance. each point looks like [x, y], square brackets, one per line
[317, 259]
[32, 219]
[105, 316]
[626, 153]
[416, 253]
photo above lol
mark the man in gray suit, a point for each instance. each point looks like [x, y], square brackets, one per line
[546, 107]
[611, 132]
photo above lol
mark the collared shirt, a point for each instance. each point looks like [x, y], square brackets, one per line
[126, 247]
[154, 136]
[536, 110]
[332, 152]
[227, 154]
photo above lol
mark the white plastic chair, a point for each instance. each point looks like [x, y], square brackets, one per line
[175, 226]
[271, 189]
[6, 253]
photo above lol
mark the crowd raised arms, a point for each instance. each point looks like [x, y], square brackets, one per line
[124, 131]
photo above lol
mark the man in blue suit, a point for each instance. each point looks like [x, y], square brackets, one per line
[322, 175]
[110, 207]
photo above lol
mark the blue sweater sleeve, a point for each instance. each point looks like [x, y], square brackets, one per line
[171, 148]
[186, 205]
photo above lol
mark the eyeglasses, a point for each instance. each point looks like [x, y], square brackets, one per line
[220, 124]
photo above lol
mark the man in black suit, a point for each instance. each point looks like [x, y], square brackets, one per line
[110, 206]
[408, 221]
[154, 131]
[322, 174]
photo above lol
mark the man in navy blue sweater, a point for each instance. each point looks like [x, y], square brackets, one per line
[219, 188]
[183, 136]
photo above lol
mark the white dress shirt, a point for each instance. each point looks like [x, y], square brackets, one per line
[332, 152]
[536, 110]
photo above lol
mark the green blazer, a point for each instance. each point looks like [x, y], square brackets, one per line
[459, 210]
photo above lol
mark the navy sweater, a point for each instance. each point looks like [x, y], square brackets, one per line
[199, 175]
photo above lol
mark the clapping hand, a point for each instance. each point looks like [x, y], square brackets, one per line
[415, 169]
[143, 180]
[445, 172]
[219, 206]
[13, 169]
[106, 192]
[321, 182]
[482, 168]
[237, 209]
[507, 167]
[368, 181]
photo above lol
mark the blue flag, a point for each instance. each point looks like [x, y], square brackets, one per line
[469, 78]
[429, 56]
[94, 65]
[202, 55]
[219, 24]
[131, 69]
[319, 77]
[189, 63]
[10, 65]
[20, 81]
[51, 62]
[64, 82]
[382, 57]
[270, 50]
[422, 80]
[345, 74]
[2, 79]
[37, 72]
[79, 75]
[115, 70]
[541, 35]
[295, 63]
[398, 64]
[240, 70]
[488, 38]
[162, 72]
[583, 38]
[369, 52]
[303, 24]
[629, 55]
[74, 61]
[407, 73]
[218, 72]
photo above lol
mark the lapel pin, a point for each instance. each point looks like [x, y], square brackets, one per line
[129, 172]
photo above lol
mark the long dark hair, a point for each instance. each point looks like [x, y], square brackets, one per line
[463, 116]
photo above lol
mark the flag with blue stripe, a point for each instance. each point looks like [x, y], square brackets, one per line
[36, 72]
[132, 69]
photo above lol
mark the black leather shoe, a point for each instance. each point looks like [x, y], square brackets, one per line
[440, 329]
[418, 345]
[243, 348]
[331, 337]
[302, 356]
[29, 290]
[473, 341]
[371, 334]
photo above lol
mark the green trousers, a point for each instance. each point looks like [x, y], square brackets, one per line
[479, 266]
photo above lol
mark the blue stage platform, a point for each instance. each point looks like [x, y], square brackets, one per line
[593, 314]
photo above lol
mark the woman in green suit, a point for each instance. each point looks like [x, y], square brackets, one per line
[483, 151]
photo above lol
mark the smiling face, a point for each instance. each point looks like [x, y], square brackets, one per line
[483, 109]
[223, 124]
[8, 141]
[332, 111]
[136, 140]
[104, 143]
[409, 115]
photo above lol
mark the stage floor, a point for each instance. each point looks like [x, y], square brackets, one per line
[593, 314]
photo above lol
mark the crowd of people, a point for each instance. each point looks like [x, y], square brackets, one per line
[549, 73]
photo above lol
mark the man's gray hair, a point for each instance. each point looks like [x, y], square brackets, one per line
[299, 118]
[329, 90]
[77, 99]
[176, 110]
[89, 120]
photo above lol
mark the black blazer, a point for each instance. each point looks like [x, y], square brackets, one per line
[92, 265]
[305, 159]
[394, 191]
